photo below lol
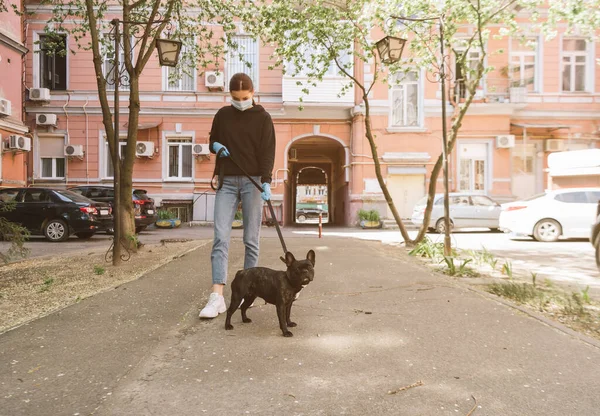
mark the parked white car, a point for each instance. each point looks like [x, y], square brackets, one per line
[568, 213]
[466, 211]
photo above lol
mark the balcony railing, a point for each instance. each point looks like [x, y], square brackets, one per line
[502, 90]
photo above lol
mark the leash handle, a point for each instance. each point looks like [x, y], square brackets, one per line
[219, 172]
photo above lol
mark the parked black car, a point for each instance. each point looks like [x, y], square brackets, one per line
[54, 213]
[595, 236]
[302, 214]
[145, 212]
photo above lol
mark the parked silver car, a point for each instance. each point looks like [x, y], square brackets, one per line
[466, 211]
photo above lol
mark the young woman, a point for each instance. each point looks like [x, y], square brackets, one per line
[244, 132]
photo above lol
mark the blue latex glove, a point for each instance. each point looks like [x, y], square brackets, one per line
[218, 146]
[266, 194]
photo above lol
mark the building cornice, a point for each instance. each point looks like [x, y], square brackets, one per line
[12, 43]
[13, 125]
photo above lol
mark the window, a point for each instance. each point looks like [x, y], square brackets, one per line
[8, 195]
[183, 76]
[109, 64]
[245, 54]
[473, 167]
[523, 64]
[180, 158]
[461, 201]
[572, 198]
[110, 172]
[52, 157]
[405, 100]
[53, 62]
[464, 75]
[482, 201]
[574, 65]
[593, 197]
[36, 195]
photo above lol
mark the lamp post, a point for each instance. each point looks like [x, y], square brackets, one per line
[388, 48]
[168, 55]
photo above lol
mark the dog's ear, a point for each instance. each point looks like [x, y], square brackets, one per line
[289, 259]
[311, 257]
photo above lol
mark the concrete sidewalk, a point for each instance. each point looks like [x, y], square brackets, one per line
[373, 321]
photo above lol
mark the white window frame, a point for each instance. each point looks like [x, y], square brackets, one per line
[171, 135]
[589, 65]
[481, 91]
[165, 77]
[537, 71]
[36, 59]
[420, 103]
[255, 69]
[104, 153]
[111, 87]
[489, 164]
[38, 157]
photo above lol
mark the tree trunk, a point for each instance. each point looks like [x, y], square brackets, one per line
[127, 209]
[386, 194]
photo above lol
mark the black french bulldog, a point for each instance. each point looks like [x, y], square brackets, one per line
[279, 288]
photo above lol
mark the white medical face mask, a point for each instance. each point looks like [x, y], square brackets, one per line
[242, 105]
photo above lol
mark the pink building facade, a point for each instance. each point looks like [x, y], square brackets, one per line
[14, 134]
[538, 100]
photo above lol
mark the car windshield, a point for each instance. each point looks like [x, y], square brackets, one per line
[141, 194]
[69, 196]
[422, 201]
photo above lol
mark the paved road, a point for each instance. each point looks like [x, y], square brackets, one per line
[568, 261]
[373, 321]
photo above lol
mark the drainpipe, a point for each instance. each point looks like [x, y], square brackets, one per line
[68, 135]
[87, 159]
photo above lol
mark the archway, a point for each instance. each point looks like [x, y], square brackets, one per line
[317, 180]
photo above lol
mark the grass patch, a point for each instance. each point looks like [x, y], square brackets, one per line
[47, 285]
[519, 292]
[460, 269]
[99, 270]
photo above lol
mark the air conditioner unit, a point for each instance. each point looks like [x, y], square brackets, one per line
[214, 80]
[5, 107]
[74, 150]
[293, 155]
[200, 150]
[554, 145]
[45, 119]
[144, 149]
[505, 141]
[19, 143]
[39, 94]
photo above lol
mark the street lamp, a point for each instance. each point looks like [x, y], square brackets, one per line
[388, 52]
[390, 49]
[168, 55]
[168, 51]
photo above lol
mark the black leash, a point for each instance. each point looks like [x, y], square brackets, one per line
[219, 172]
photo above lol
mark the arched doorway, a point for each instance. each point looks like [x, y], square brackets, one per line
[316, 180]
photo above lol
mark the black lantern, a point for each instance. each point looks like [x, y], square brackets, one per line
[390, 49]
[168, 51]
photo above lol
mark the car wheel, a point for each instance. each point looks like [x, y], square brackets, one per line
[85, 235]
[139, 229]
[440, 226]
[547, 230]
[56, 231]
[301, 218]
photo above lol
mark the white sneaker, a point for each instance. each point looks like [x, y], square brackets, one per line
[215, 306]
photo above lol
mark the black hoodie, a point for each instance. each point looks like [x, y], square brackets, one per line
[250, 138]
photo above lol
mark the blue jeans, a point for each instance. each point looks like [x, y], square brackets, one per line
[234, 190]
